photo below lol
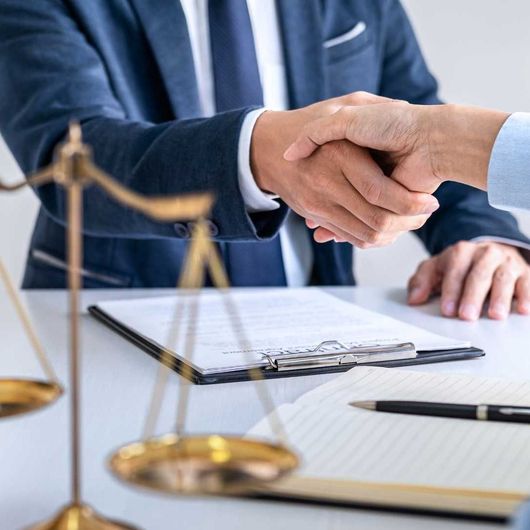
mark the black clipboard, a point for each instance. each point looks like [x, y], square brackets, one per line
[269, 371]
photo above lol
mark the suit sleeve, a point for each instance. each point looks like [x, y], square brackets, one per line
[464, 212]
[50, 74]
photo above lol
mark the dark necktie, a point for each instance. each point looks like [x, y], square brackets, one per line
[237, 84]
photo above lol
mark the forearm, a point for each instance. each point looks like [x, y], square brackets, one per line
[51, 74]
[172, 158]
[461, 140]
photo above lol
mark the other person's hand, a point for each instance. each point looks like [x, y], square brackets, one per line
[467, 273]
[421, 145]
[341, 187]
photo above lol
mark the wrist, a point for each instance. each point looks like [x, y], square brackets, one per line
[273, 132]
[461, 140]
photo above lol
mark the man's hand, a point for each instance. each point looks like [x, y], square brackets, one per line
[419, 146]
[341, 187]
[422, 145]
[466, 273]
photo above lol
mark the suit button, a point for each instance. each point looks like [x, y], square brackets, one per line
[213, 229]
[181, 230]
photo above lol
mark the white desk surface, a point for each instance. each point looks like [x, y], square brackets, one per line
[117, 383]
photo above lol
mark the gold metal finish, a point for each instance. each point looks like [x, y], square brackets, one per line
[204, 465]
[80, 517]
[75, 259]
[176, 463]
[185, 464]
[72, 169]
[18, 396]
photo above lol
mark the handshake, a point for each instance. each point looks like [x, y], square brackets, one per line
[362, 168]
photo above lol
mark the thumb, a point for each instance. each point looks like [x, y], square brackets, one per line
[423, 282]
[372, 126]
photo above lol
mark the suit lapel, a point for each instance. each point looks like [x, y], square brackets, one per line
[301, 28]
[165, 26]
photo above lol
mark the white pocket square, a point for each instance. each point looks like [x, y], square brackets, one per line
[351, 34]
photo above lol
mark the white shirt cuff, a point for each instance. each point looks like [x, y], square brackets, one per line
[509, 167]
[255, 199]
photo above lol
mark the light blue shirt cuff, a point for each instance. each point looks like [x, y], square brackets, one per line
[255, 199]
[509, 167]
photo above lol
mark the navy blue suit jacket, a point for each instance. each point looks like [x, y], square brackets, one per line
[124, 68]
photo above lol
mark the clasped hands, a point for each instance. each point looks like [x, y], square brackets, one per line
[362, 169]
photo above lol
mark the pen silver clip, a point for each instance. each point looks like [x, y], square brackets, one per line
[343, 355]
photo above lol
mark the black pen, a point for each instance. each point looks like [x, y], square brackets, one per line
[450, 410]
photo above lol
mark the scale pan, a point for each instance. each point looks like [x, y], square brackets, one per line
[18, 396]
[202, 465]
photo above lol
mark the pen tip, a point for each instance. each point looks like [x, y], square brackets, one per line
[368, 405]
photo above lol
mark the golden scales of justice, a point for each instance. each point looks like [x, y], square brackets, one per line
[178, 463]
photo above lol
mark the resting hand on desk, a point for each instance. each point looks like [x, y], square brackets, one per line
[464, 274]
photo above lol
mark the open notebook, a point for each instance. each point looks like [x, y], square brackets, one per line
[360, 457]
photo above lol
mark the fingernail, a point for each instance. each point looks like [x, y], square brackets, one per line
[432, 206]
[469, 312]
[524, 308]
[449, 309]
[498, 311]
[415, 294]
[289, 153]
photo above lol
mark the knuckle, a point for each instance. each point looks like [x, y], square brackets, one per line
[372, 191]
[492, 252]
[460, 248]
[373, 237]
[363, 245]
[360, 95]
[381, 221]
[479, 274]
[455, 260]
[505, 275]
[510, 260]
[422, 266]
[310, 206]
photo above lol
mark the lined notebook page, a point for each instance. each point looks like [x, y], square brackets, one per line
[372, 383]
[336, 441]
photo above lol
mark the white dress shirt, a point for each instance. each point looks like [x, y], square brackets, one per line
[294, 238]
[295, 243]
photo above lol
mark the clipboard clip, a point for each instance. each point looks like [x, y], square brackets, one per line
[342, 355]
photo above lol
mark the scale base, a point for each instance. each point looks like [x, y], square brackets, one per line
[80, 517]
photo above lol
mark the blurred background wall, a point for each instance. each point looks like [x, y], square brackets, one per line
[478, 49]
